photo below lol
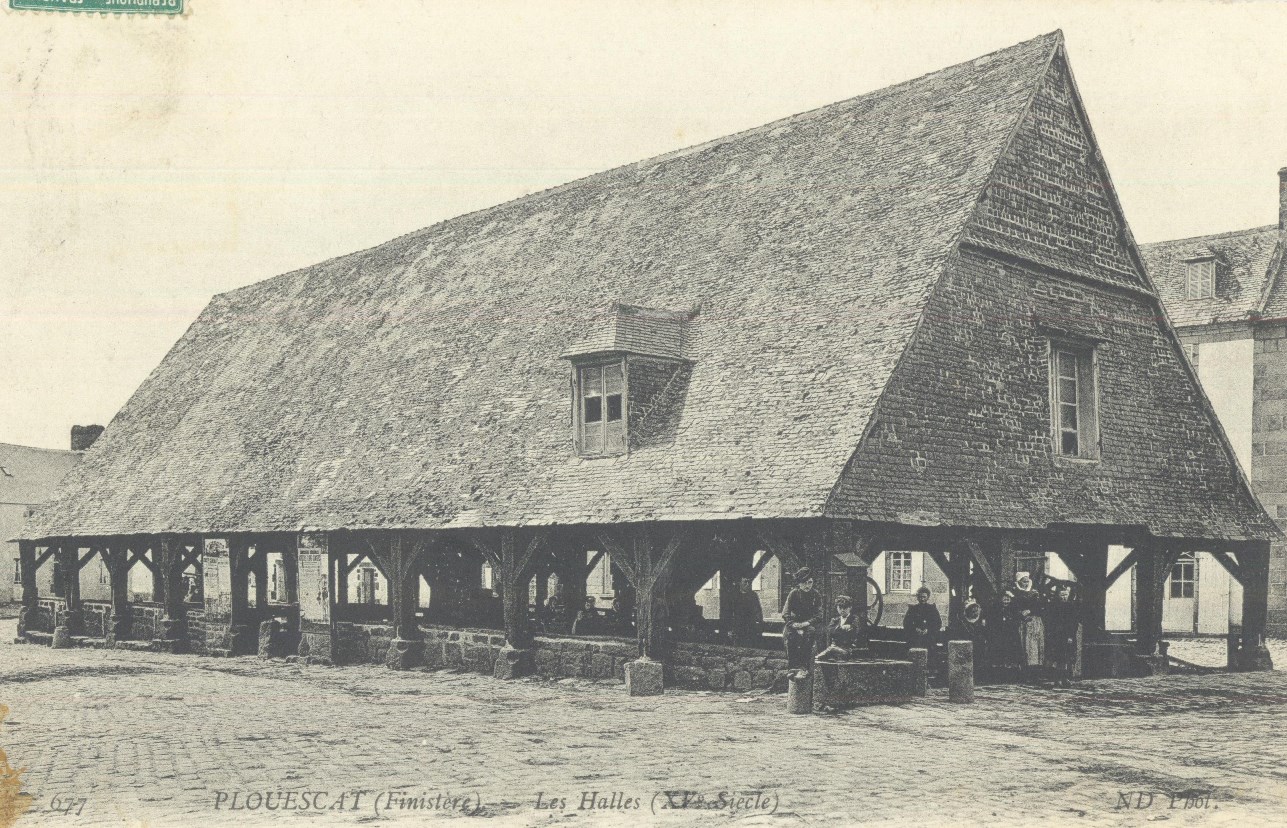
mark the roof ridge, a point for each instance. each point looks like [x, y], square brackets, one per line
[1056, 36]
[39, 448]
[1223, 235]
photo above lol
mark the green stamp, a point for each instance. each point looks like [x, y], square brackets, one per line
[107, 6]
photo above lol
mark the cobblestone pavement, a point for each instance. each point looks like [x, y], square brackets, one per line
[148, 739]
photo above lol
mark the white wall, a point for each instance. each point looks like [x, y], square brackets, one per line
[1226, 371]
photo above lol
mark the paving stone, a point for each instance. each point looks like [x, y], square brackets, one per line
[155, 736]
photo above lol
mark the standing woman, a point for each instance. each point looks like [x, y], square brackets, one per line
[1032, 629]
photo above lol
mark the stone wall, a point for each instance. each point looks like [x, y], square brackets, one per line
[145, 621]
[196, 630]
[1269, 454]
[97, 618]
[693, 666]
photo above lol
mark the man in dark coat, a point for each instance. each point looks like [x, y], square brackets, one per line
[748, 615]
[922, 623]
[801, 617]
[1061, 635]
[587, 620]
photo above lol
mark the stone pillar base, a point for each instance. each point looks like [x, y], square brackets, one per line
[62, 638]
[23, 614]
[644, 677]
[1256, 659]
[960, 672]
[799, 692]
[920, 670]
[241, 640]
[512, 663]
[316, 646]
[404, 654]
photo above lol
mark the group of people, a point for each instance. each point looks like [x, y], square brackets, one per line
[1029, 630]
[802, 628]
[1033, 630]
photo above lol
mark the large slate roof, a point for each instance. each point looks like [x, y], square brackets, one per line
[419, 383]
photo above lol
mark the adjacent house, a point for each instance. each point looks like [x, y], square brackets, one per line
[1227, 297]
[28, 476]
[915, 320]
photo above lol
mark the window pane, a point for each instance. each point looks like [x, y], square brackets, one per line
[592, 442]
[1067, 365]
[615, 436]
[590, 379]
[1067, 390]
[1068, 417]
[1068, 443]
[593, 409]
[614, 407]
[613, 380]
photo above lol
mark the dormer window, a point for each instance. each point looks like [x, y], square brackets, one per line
[601, 409]
[629, 378]
[1199, 278]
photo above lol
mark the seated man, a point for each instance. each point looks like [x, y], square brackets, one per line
[846, 634]
[587, 620]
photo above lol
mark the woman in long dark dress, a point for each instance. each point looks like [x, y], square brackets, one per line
[1027, 604]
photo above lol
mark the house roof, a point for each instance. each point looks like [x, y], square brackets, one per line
[1243, 274]
[29, 475]
[419, 383]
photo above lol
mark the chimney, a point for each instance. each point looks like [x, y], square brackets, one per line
[84, 436]
[1282, 199]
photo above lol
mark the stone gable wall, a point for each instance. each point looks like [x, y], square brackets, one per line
[963, 433]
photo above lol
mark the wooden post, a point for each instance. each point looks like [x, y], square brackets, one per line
[116, 557]
[261, 576]
[340, 560]
[290, 563]
[173, 633]
[512, 555]
[400, 557]
[157, 569]
[1093, 574]
[30, 592]
[242, 634]
[68, 622]
[1253, 562]
[1150, 576]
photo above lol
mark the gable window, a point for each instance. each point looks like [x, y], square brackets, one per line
[900, 571]
[601, 405]
[1184, 576]
[1199, 278]
[1073, 401]
[1191, 351]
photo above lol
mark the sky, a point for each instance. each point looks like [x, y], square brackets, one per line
[147, 164]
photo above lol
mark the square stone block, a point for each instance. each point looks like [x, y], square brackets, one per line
[644, 678]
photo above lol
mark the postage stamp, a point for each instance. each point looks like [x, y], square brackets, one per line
[112, 6]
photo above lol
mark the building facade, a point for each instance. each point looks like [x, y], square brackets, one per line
[1226, 296]
[28, 477]
[914, 320]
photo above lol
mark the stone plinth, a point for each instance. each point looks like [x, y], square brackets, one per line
[512, 663]
[405, 653]
[62, 639]
[799, 692]
[920, 667]
[838, 684]
[644, 677]
[960, 672]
